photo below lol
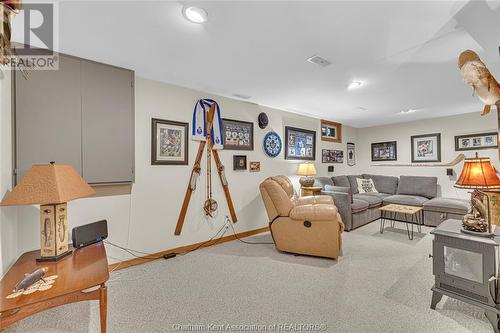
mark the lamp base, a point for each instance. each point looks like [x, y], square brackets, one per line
[306, 181]
[54, 258]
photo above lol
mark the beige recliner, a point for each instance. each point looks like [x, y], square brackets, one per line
[306, 225]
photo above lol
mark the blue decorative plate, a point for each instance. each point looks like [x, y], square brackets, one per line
[272, 144]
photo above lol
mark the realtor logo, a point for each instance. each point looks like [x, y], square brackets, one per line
[34, 37]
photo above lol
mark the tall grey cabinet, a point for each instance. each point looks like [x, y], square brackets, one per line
[81, 114]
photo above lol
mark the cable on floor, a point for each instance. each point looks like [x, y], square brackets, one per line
[228, 221]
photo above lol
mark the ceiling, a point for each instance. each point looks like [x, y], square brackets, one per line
[405, 51]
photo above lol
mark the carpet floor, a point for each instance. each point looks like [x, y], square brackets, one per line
[381, 283]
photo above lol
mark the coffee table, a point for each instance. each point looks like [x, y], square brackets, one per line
[394, 213]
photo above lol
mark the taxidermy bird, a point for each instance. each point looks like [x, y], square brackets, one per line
[7, 7]
[477, 75]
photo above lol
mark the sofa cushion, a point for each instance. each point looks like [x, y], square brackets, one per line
[418, 185]
[385, 184]
[447, 205]
[366, 186]
[373, 201]
[354, 183]
[401, 199]
[341, 181]
[378, 195]
[358, 205]
[322, 181]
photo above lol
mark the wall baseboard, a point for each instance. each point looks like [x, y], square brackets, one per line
[181, 249]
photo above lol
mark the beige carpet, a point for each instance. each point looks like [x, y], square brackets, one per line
[380, 284]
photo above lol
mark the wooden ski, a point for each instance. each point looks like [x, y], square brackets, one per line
[195, 174]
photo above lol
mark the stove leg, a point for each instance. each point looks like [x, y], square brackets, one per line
[436, 298]
[493, 318]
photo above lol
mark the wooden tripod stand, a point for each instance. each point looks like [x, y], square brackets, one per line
[197, 171]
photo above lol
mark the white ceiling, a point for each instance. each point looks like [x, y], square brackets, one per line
[405, 51]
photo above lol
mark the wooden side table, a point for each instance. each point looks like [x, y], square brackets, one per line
[310, 190]
[85, 268]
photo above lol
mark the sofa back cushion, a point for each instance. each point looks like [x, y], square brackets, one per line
[418, 185]
[353, 182]
[341, 181]
[323, 181]
[384, 184]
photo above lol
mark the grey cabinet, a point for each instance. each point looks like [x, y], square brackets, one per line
[81, 114]
[107, 123]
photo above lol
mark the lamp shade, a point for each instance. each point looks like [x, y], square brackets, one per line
[48, 184]
[478, 173]
[306, 169]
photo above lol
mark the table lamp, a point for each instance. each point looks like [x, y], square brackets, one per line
[50, 186]
[479, 174]
[306, 170]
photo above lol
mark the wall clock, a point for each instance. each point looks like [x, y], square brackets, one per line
[272, 144]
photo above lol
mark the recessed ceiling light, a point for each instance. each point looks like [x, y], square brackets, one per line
[242, 96]
[317, 60]
[355, 85]
[361, 108]
[408, 111]
[195, 14]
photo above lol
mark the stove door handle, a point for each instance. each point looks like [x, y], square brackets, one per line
[493, 280]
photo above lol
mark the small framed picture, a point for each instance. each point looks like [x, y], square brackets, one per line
[239, 162]
[351, 154]
[476, 141]
[426, 148]
[169, 142]
[300, 144]
[331, 131]
[332, 156]
[238, 135]
[385, 151]
[254, 166]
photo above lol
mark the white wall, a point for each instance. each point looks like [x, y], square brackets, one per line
[8, 215]
[449, 127]
[146, 219]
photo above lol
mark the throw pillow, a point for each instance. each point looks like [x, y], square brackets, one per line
[366, 185]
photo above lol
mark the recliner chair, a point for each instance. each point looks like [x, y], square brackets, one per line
[304, 225]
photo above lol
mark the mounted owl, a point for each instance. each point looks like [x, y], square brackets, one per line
[477, 75]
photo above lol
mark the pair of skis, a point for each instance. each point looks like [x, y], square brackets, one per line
[195, 174]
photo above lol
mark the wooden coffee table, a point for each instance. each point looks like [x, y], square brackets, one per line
[393, 213]
[82, 276]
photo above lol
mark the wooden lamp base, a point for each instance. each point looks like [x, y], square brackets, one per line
[53, 232]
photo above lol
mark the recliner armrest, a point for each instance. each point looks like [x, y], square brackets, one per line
[319, 212]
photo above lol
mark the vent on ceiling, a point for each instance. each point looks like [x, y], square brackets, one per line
[317, 60]
[242, 96]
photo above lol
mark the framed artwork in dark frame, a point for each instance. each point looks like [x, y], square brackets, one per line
[169, 142]
[239, 162]
[300, 144]
[384, 151]
[426, 148]
[476, 141]
[238, 135]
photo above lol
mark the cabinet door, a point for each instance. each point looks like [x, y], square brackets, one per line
[48, 116]
[107, 123]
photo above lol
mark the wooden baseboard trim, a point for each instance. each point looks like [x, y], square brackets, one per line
[181, 249]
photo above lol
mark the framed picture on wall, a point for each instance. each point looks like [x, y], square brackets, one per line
[331, 131]
[426, 148]
[351, 154]
[385, 151]
[300, 144]
[255, 166]
[169, 142]
[239, 162]
[238, 135]
[476, 141]
[332, 156]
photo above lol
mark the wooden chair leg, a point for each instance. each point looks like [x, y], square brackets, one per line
[103, 306]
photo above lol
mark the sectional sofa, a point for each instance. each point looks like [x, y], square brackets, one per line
[358, 209]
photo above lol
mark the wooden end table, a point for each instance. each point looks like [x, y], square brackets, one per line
[310, 190]
[412, 215]
[85, 268]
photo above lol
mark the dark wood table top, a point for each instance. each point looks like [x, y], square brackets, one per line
[84, 268]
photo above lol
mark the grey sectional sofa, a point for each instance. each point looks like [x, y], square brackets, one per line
[358, 209]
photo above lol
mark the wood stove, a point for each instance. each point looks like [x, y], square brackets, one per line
[466, 268]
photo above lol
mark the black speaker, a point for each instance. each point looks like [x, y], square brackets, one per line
[449, 172]
[89, 233]
[330, 168]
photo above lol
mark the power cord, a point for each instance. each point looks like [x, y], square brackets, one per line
[228, 221]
